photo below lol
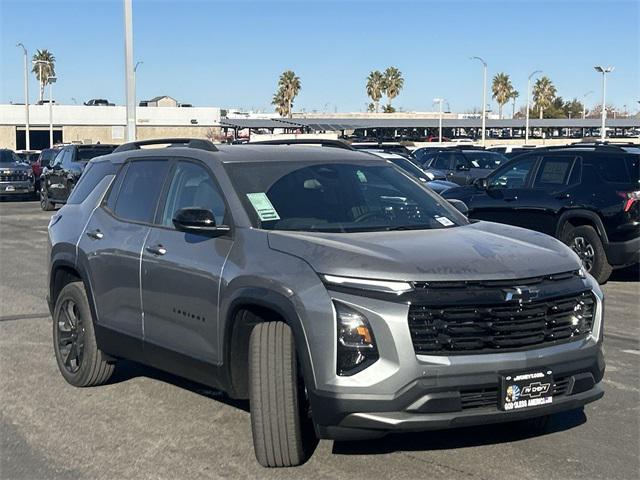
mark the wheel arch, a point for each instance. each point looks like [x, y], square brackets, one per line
[578, 218]
[249, 306]
[63, 272]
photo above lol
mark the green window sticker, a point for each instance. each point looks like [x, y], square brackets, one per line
[263, 206]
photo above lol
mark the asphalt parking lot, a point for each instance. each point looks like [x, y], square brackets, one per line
[147, 424]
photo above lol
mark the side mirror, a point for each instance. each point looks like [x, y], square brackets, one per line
[481, 183]
[198, 220]
[459, 205]
[462, 167]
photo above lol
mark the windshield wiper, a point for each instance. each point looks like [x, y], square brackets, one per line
[409, 227]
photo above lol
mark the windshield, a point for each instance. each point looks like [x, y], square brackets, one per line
[337, 197]
[484, 159]
[7, 156]
[86, 154]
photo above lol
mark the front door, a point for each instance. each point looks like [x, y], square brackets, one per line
[504, 197]
[181, 271]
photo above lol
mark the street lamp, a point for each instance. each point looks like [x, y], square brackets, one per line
[526, 128]
[129, 74]
[440, 101]
[603, 71]
[484, 96]
[26, 98]
[51, 81]
[134, 95]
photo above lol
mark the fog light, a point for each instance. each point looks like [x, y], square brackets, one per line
[356, 342]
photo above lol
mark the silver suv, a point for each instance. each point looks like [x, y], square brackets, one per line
[338, 294]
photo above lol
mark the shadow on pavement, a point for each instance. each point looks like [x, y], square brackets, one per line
[628, 274]
[127, 370]
[460, 437]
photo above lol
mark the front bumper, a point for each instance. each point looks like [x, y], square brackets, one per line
[16, 188]
[623, 253]
[455, 401]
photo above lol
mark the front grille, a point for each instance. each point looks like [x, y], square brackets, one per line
[488, 397]
[500, 327]
[14, 177]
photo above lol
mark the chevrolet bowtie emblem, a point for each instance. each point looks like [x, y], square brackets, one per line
[520, 294]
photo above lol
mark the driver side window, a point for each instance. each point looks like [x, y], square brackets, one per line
[192, 186]
[58, 160]
[514, 175]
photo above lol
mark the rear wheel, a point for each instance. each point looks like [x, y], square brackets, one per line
[45, 204]
[282, 429]
[80, 361]
[585, 241]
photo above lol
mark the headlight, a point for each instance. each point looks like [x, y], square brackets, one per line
[356, 343]
[384, 286]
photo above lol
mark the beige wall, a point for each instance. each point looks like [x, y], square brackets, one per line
[8, 137]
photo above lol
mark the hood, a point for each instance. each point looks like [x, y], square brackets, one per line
[14, 167]
[478, 251]
[440, 186]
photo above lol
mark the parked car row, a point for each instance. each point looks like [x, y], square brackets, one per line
[338, 294]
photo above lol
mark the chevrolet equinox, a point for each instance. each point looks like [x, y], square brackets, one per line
[339, 295]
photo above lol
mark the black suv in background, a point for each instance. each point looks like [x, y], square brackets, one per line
[461, 165]
[58, 179]
[585, 195]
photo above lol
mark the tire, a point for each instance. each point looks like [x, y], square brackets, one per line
[585, 241]
[89, 366]
[282, 430]
[45, 204]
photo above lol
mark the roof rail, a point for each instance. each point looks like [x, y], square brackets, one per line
[323, 142]
[187, 142]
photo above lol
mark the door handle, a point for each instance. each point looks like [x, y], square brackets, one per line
[563, 196]
[510, 199]
[95, 234]
[156, 250]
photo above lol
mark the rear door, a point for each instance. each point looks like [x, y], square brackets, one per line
[113, 240]
[181, 271]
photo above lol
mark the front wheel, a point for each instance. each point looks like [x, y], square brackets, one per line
[282, 429]
[45, 204]
[585, 241]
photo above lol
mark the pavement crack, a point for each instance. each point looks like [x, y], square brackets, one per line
[24, 316]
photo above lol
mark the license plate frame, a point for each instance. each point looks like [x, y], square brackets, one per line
[526, 390]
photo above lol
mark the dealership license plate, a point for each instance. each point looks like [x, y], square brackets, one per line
[526, 390]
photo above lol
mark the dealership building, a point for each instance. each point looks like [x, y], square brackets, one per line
[104, 124]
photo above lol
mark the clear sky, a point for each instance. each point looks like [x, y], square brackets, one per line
[229, 54]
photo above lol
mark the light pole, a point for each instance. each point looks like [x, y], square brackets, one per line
[51, 81]
[129, 73]
[484, 96]
[135, 100]
[26, 98]
[603, 71]
[526, 127]
[440, 101]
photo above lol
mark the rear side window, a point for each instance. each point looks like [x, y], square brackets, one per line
[613, 168]
[89, 179]
[86, 154]
[138, 192]
[553, 171]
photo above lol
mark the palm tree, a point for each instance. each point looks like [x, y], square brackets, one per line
[375, 88]
[544, 93]
[42, 70]
[280, 102]
[393, 83]
[514, 95]
[290, 86]
[501, 88]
